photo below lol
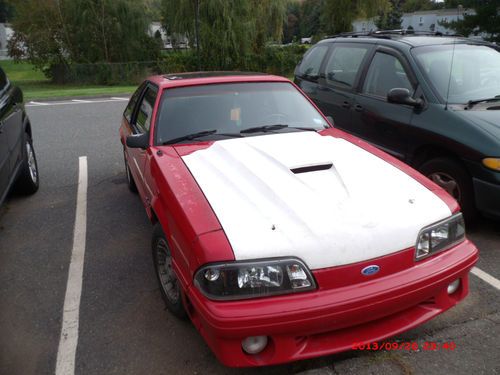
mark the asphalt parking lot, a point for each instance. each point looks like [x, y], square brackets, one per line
[123, 325]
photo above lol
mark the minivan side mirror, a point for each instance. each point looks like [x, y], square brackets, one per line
[138, 141]
[403, 96]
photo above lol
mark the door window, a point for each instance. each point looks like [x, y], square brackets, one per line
[129, 111]
[343, 64]
[145, 110]
[309, 68]
[385, 73]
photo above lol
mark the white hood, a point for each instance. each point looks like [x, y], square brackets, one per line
[360, 208]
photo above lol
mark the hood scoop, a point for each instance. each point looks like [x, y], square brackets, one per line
[312, 168]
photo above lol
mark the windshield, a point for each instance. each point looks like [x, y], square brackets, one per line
[233, 107]
[475, 74]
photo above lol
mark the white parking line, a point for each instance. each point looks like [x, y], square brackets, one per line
[81, 101]
[35, 104]
[486, 277]
[69, 332]
[117, 98]
[73, 101]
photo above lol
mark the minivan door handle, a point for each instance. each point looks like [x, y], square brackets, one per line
[358, 108]
[346, 104]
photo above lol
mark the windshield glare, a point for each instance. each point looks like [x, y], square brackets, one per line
[233, 107]
[475, 74]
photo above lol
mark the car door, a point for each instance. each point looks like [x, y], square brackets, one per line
[338, 79]
[4, 141]
[141, 123]
[374, 119]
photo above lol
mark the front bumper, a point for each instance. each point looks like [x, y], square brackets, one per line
[487, 197]
[328, 321]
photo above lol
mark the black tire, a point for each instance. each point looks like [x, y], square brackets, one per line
[170, 288]
[28, 180]
[130, 179]
[453, 178]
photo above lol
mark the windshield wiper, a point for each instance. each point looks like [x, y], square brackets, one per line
[471, 103]
[204, 133]
[270, 128]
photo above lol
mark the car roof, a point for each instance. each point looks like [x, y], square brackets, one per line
[413, 40]
[207, 78]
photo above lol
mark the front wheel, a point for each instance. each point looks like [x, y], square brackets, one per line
[453, 178]
[170, 288]
[28, 181]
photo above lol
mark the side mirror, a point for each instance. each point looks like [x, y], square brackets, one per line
[402, 96]
[138, 141]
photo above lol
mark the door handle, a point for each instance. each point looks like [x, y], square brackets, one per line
[346, 105]
[358, 108]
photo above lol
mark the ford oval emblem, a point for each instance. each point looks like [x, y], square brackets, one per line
[370, 270]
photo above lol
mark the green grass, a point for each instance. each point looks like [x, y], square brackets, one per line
[47, 90]
[36, 86]
[21, 71]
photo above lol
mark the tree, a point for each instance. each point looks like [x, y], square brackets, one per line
[291, 26]
[338, 15]
[485, 20]
[409, 6]
[5, 11]
[309, 20]
[390, 19]
[52, 32]
[229, 30]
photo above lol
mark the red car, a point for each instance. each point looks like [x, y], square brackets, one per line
[281, 237]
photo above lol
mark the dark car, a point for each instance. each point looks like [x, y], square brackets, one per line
[431, 101]
[18, 166]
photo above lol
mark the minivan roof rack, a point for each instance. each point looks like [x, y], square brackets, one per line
[387, 34]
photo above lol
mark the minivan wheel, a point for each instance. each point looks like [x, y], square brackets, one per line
[28, 181]
[453, 178]
[170, 287]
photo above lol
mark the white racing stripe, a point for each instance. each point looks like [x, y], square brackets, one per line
[69, 332]
[486, 277]
[358, 208]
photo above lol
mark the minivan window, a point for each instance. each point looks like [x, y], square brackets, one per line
[343, 65]
[385, 73]
[312, 61]
[475, 71]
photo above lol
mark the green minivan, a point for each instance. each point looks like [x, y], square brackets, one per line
[431, 101]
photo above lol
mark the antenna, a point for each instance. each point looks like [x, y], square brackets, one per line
[452, 60]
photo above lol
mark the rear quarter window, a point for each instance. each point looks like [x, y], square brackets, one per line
[309, 67]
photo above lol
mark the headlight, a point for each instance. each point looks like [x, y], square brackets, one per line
[492, 163]
[440, 236]
[251, 279]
